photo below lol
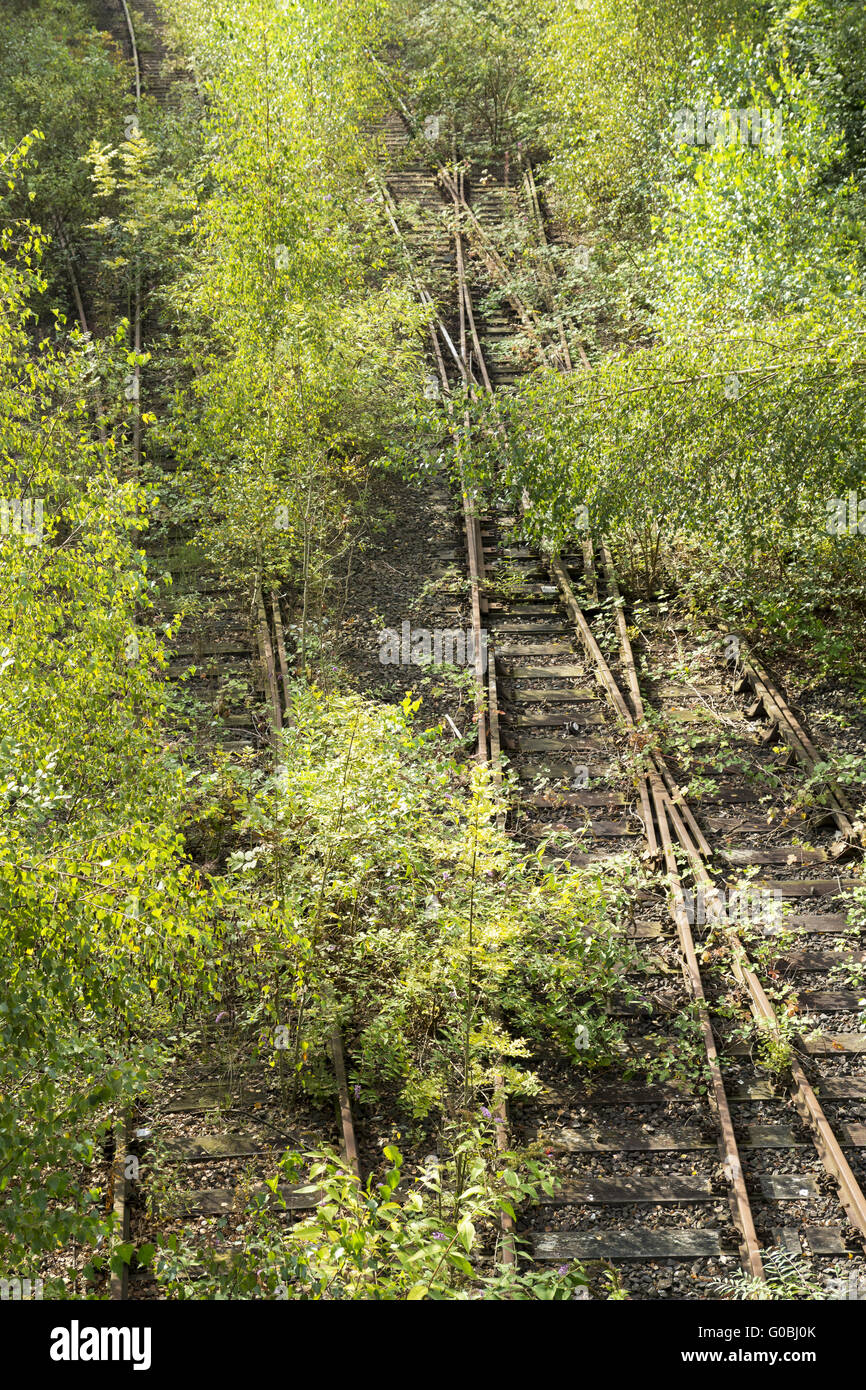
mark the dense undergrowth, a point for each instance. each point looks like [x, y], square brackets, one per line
[148, 890]
[369, 886]
[712, 265]
[364, 883]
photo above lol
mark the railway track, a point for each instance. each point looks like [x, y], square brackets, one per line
[756, 1126]
[675, 1186]
[629, 736]
[198, 1154]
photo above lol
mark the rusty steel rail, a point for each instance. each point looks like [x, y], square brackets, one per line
[731, 1166]
[805, 1100]
[660, 797]
[671, 809]
[347, 1125]
[697, 852]
[798, 740]
[281, 651]
[739, 1201]
[452, 180]
[494, 262]
[636, 701]
[266, 654]
[474, 547]
[420, 289]
[486, 696]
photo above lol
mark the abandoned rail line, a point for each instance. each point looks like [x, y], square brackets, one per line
[673, 1185]
[571, 722]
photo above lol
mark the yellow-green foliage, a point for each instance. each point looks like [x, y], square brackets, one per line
[100, 920]
[381, 887]
[303, 341]
[612, 73]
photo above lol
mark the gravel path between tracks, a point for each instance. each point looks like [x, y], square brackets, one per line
[411, 570]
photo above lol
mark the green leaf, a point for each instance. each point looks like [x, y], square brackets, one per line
[466, 1232]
